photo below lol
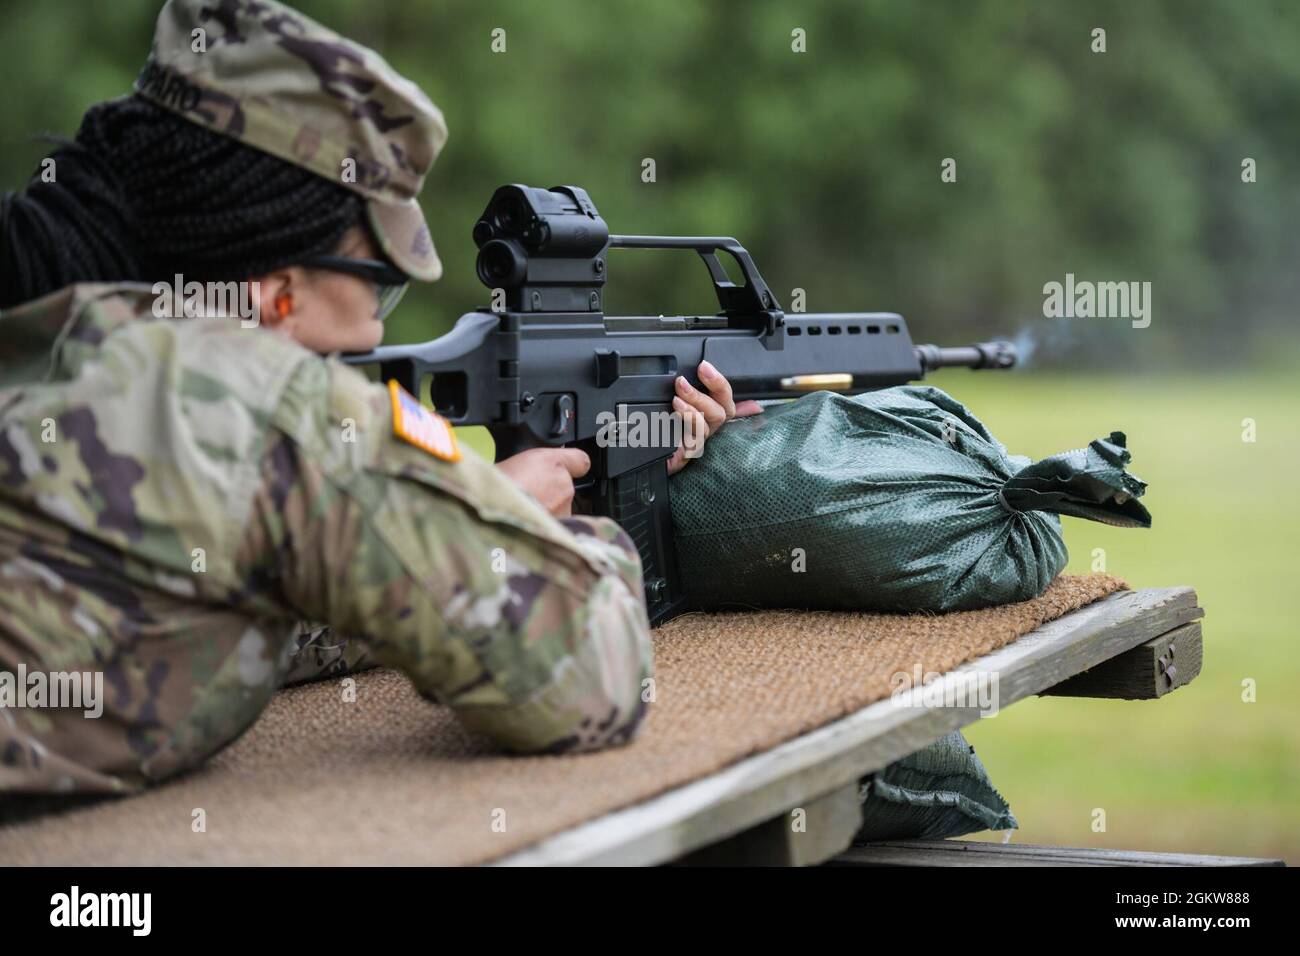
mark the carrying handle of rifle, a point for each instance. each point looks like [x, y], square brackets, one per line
[754, 298]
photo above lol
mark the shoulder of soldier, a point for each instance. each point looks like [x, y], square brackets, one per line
[223, 358]
[344, 423]
[160, 422]
[209, 385]
[255, 377]
[73, 299]
[34, 328]
[99, 321]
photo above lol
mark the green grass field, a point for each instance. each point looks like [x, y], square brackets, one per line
[1200, 770]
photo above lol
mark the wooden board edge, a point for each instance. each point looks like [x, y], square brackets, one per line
[759, 787]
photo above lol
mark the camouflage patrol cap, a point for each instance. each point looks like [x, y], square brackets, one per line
[262, 73]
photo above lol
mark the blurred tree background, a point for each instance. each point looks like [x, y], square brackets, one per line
[1122, 165]
[1117, 166]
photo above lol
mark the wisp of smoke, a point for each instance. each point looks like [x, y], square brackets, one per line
[1044, 339]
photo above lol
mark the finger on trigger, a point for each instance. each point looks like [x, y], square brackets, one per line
[575, 461]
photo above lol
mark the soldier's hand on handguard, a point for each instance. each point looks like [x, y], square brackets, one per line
[704, 413]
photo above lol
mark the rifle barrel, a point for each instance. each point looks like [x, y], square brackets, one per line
[981, 355]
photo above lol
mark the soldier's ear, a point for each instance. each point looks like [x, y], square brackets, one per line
[274, 294]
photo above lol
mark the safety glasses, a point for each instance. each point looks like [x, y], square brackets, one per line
[390, 282]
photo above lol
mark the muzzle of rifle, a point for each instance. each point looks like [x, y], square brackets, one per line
[982, 355]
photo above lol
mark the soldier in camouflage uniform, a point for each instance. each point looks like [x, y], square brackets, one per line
[177, 495]
[181, 521]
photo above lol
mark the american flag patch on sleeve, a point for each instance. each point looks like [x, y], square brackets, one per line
[423, 428]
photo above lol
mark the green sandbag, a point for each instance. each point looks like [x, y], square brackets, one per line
[940, 791]
[893, 500]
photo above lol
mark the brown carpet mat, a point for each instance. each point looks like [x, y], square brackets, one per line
[391, 778]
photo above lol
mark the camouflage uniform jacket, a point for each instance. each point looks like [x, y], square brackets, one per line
[175, 495]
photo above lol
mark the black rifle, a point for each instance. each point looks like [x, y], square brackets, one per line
[546, 366]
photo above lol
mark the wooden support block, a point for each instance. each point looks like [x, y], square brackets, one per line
[804, 836]
[975, 853]
[1146, 672]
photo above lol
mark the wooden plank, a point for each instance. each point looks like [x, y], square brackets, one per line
[802, 836]
[1147, 672]
[975, 853]
[766, 785]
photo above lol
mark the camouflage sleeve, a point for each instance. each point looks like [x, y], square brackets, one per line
[533, 630]
[321, 652]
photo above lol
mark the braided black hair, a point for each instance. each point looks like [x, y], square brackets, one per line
[142, 194]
